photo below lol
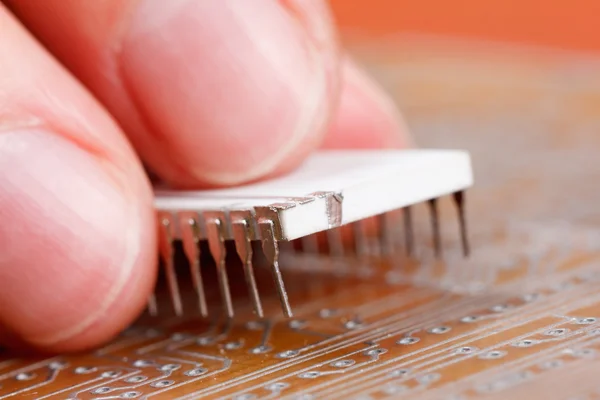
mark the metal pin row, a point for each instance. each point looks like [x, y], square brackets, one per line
[244, 231]
[244, 227]
[387, 237]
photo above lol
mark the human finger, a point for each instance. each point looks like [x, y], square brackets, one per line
[77, 238]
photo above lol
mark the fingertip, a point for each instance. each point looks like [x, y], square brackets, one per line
[76, 244]
[77, 233]
[367, 116]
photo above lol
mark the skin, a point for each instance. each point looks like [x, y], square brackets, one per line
[202, 93]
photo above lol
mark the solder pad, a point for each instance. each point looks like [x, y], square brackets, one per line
[519, 319]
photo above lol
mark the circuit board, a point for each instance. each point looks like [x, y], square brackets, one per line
[518, 319]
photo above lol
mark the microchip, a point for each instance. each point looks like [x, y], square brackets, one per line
[332, 189]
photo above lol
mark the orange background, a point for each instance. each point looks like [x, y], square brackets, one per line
[567, 24]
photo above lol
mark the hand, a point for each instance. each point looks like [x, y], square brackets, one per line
[203, 92]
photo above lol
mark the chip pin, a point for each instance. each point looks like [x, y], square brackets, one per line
[360, 239]
[190, 236]
[287, 247]
[216, 243]
[386, 244]
[271, 250]
[152, 306]
[459, 201]
[335, 242]
[435, 227]
[242, 236]
[310, 244]
[408, 231]
[167, 254]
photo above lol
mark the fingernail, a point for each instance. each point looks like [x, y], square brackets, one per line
[231, 90]
[69, 240]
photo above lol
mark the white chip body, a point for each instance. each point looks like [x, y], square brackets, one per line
[334, 188]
